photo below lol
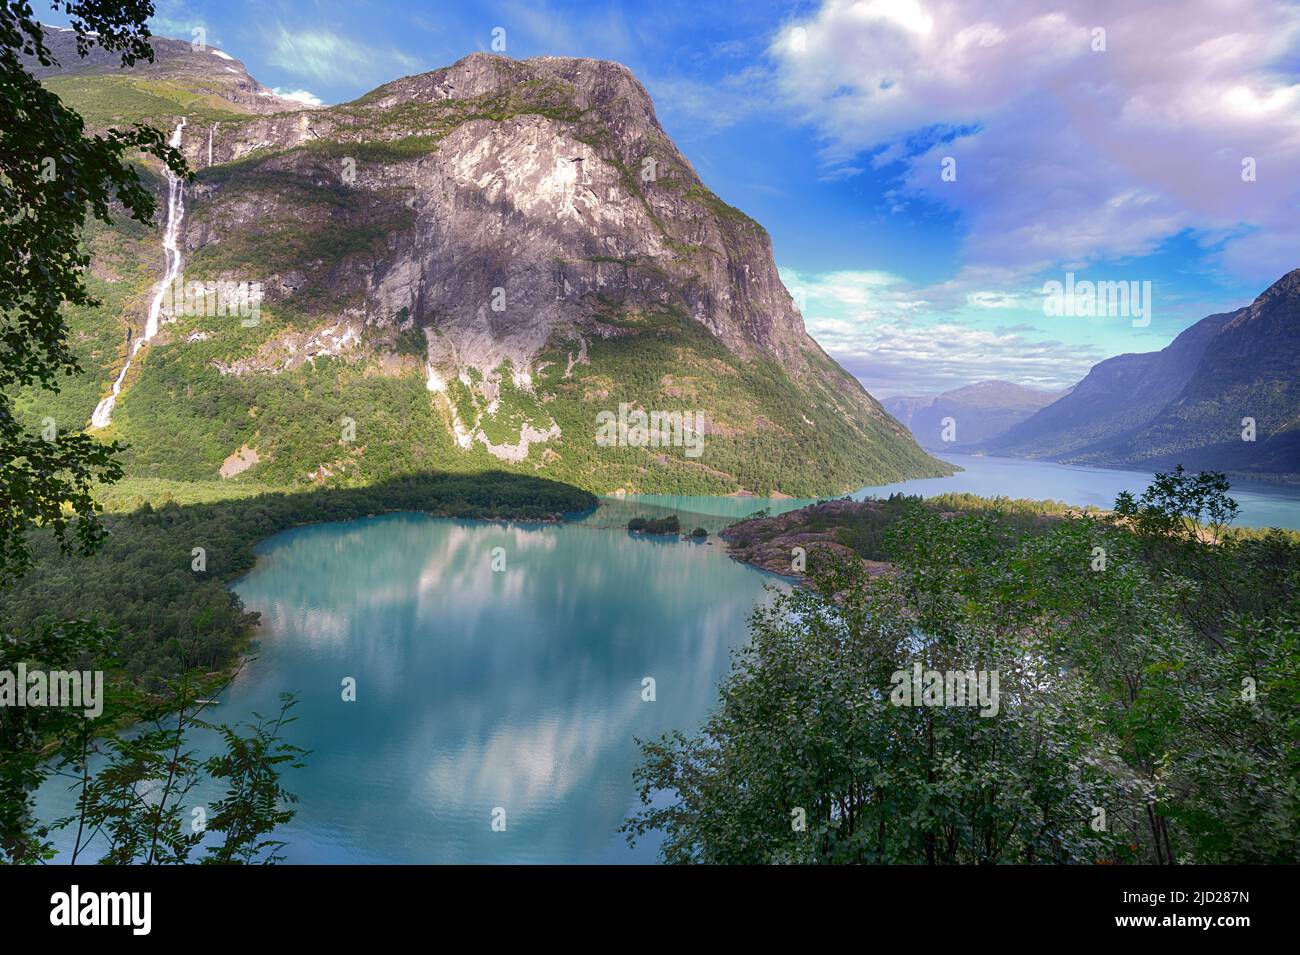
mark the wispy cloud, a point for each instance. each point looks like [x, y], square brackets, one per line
[933, 357]
[901, 340]
[334, 59]
[714, 104]
[560, 30]
[174, 18]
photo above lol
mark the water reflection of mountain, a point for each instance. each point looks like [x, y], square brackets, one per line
[476, 688]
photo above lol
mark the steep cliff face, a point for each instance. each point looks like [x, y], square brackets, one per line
[550, 180]
[471, 266]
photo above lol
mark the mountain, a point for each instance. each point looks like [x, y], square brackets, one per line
[1186, 403]
[980, 412]
[462, 270]
[181, 76]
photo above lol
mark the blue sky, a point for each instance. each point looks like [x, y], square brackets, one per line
[1115, 156]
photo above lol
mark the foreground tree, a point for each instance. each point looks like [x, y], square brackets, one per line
[137, 790]
[52, 174]
[1149, 669]
[132, 788]
[813, 757]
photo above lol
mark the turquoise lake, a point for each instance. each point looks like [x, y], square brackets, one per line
[1262, 505]
[478, 689]
[521, 688]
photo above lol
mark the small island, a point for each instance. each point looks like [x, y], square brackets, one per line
[655, 525]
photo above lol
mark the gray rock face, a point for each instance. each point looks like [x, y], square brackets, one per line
[526, 220]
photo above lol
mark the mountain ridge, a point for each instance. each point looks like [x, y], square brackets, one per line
[469, 264]
[1189, 402]
[203, 71]
[979, 412]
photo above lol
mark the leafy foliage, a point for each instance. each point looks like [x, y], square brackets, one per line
[51, 174]
[1176, 731]
[133, 788]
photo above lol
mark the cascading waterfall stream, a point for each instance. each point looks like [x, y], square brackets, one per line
[171, 251]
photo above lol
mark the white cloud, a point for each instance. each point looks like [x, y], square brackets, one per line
[929, 357]
[867, 295]
[298, 96]
[1064, 153]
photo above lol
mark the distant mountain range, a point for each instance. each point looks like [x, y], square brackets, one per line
[978, 413]
[1199, 402]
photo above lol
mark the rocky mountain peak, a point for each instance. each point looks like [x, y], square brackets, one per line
[551, 180]
[1288, 286]
[522, 242]
[601, 85]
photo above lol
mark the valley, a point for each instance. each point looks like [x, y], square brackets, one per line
[1221, 395]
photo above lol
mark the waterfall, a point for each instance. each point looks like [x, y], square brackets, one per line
[211, 130]
[172, 255]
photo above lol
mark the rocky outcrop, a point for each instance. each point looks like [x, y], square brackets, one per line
[774, 543]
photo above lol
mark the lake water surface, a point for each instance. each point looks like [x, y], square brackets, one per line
[520, 689]
[477, 689]
[1262, 505]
